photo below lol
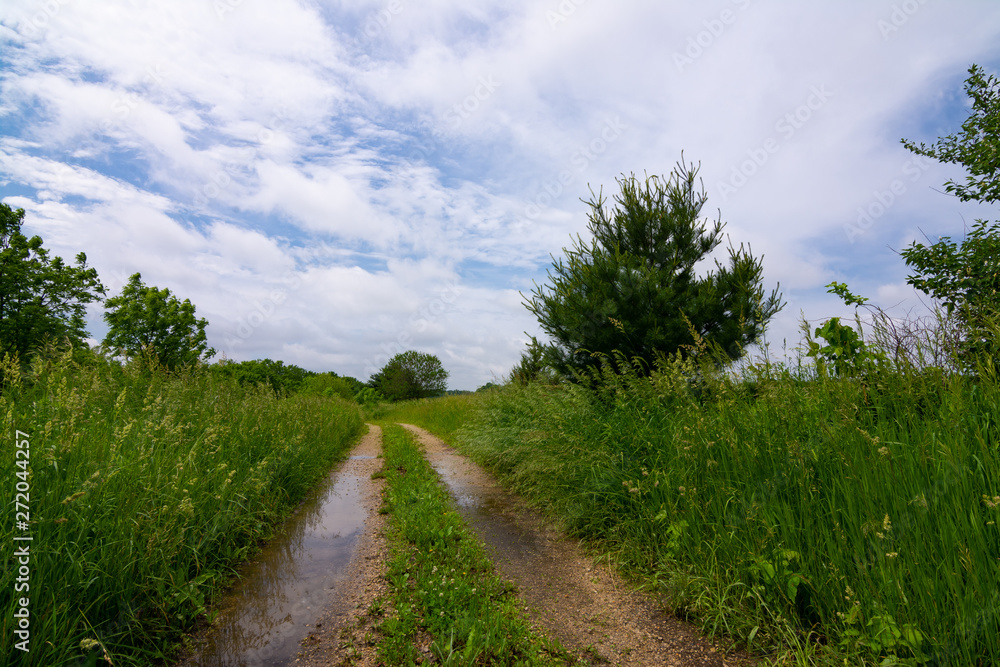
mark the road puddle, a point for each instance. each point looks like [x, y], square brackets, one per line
[286, 587]
[584, 605]
[482, 503]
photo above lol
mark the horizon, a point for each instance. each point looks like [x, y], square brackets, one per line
[332, 183]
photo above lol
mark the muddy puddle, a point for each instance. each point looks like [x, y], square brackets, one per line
[289, 584]
[583, 604]
[483, 504]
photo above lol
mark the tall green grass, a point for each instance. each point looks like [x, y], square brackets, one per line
[443, 586]
[442, 415]
[146, 489]
[827, 518]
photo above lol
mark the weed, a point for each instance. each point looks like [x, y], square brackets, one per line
[830, 517]
[443, 584]
[146, 490]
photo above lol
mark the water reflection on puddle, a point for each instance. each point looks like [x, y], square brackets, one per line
[290, 582]
[485, 507]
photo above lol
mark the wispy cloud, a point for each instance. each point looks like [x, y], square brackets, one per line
[317, 176]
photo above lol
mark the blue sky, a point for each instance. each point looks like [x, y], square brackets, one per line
[334, 182]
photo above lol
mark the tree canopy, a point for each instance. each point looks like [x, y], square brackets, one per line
[331, 384]
[147, 320]
[965, 278]
[977, 146]
[283, 379]
[410, 374]
[633, 288]
[41, 297]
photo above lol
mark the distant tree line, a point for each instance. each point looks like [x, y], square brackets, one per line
[43, 302]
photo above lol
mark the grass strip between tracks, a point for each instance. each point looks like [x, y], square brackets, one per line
[445, 597]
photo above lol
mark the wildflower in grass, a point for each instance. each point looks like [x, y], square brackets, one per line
[886, 524]
[892, 554]
[991, 503]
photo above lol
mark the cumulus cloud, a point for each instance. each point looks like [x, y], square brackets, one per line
[331, 182]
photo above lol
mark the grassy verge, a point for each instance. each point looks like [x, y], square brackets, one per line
[442, 416]
[830, 520]
[145, 491]
[445, 593]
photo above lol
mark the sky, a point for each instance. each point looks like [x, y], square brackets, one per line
[331, 183]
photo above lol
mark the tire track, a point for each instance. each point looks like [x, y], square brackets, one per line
[584, 605]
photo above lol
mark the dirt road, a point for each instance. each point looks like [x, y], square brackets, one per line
[587, 607]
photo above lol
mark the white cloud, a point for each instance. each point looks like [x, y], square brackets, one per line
[333, 167]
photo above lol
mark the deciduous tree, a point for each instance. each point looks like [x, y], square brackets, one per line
[41, 297]
[145, 319]
[977, 146]
[965, 278]
[410, 374]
